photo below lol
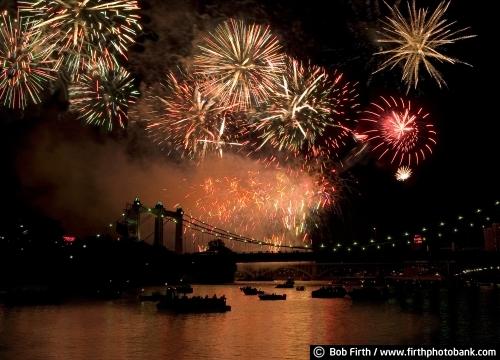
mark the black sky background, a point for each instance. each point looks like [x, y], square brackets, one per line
[462, 173]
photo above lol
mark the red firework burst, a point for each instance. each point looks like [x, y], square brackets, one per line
[398, 132]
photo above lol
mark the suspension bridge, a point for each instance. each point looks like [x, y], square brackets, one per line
[190, 234]
[184, 233]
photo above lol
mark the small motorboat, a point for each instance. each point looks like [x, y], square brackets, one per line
[300, 288]
[248, 290]
[329, 292]
[289, 284]
[272, 296]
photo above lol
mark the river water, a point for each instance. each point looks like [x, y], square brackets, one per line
[254, 329]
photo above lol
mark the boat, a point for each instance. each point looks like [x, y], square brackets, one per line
[272, 296]
[288, 284]
[247, 290]
[300, 288]
[194, 304]
[329, 292]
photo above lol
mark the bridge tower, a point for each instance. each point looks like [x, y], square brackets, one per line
[159, 212]
[129, 225]
[135, 218]
[179, 213]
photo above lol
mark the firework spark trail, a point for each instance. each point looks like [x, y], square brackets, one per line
[274, 205]
[87, 30]
[243, 63]
[398, 132]
[189, 120]
[416, 42]
[309, 113]
[26, 63]
[102, 96]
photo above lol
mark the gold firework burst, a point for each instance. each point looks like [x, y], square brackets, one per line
[307, 105]
[26, 62]
[403, 173]
[186, 119]
[243, 62]
[417, 42]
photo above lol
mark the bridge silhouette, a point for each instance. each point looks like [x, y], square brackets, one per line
[290, 261]
[188, 230]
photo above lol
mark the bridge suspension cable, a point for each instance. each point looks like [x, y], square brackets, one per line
[203, 227]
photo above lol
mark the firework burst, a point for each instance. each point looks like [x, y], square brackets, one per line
[243, 62]
[403, 173]
[102, 96]
[417, 42]
[309, 113]
[280, 201]
[26, 66]
[398, 132]
[86, 29]
[189, 120]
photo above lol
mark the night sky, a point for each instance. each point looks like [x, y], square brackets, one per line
[460, 176]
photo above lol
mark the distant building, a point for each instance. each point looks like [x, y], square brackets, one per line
[418, 242]
[492, 238]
